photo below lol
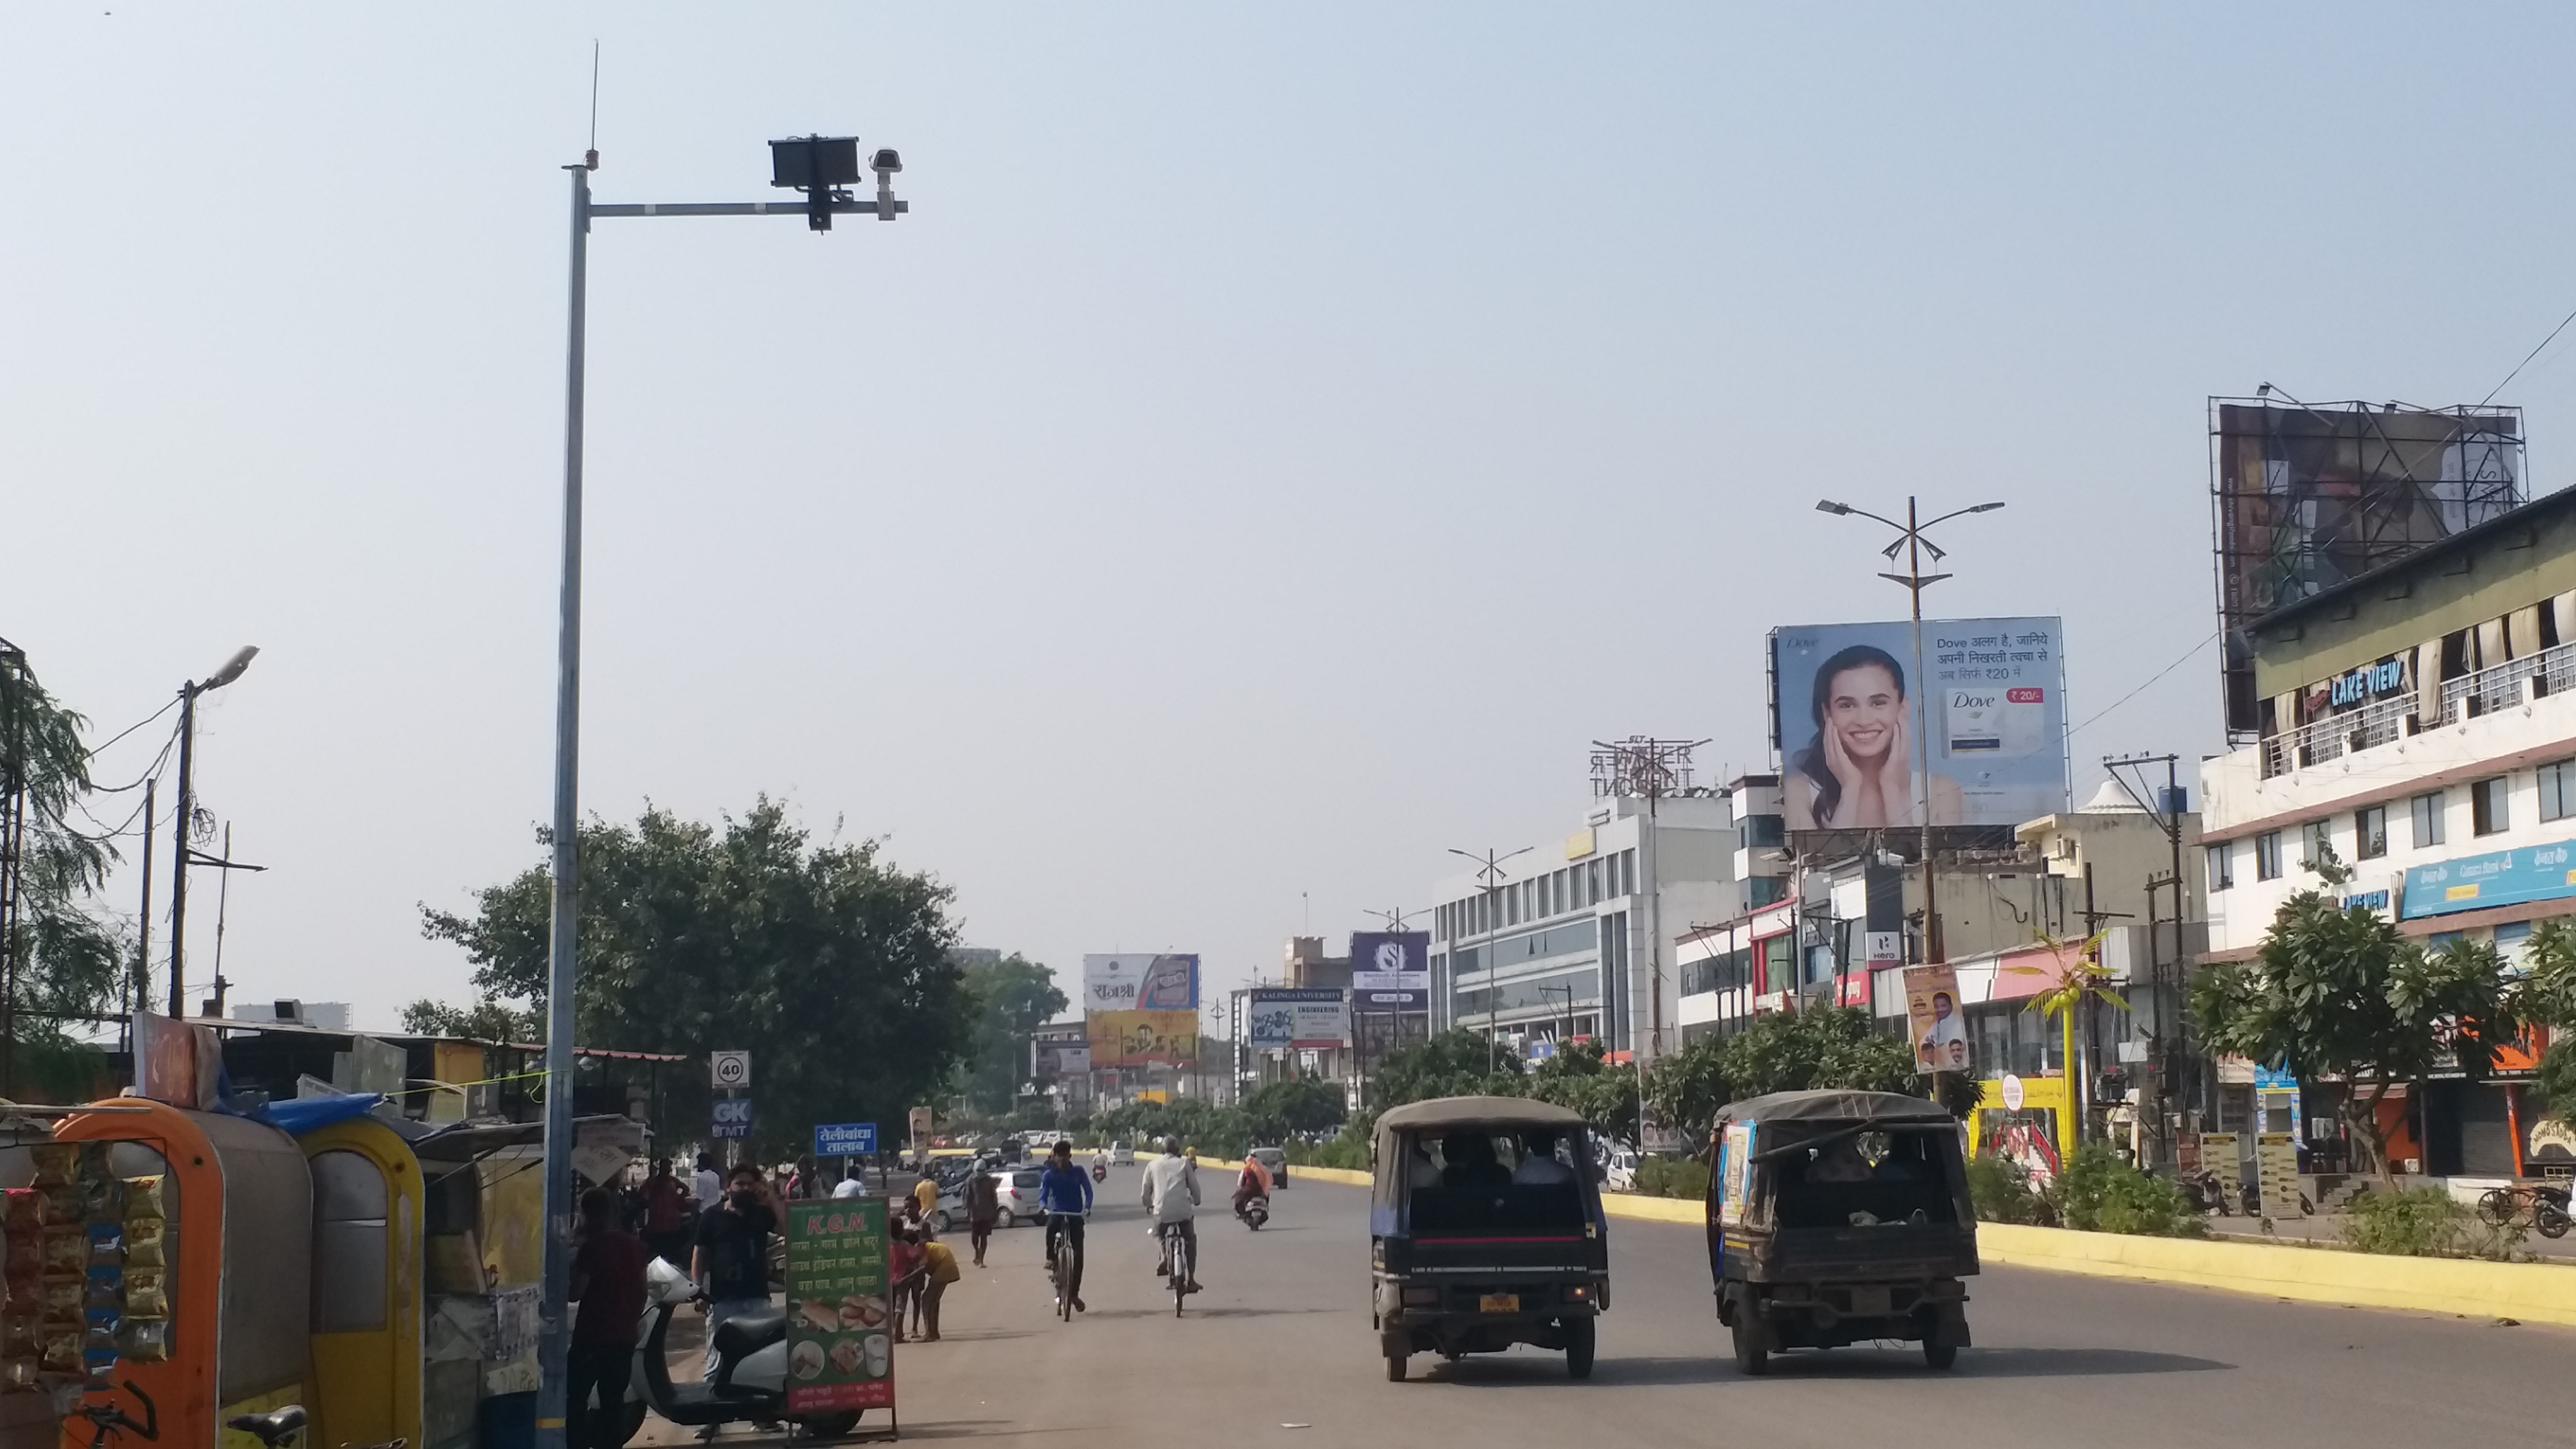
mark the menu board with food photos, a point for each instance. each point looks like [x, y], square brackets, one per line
[840, 1307]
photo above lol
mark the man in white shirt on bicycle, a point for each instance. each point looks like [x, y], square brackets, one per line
[1172, 1200]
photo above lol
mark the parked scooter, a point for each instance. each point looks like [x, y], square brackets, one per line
[2202, 1190]
[1254, 1212]
[750, 1381]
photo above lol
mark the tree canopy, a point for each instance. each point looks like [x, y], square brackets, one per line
[67, 958]
[827, 963]
[2336, 992]
[1010, 998]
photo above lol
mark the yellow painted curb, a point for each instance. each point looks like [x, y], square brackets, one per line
[2532, 1292]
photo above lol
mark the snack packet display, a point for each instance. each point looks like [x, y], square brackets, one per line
[146, 1340]
[145, 1297]
[56, 1163]
[147, 1244]
[66, 1249]
[146, 1198]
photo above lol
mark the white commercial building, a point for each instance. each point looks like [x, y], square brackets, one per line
[1570, 939]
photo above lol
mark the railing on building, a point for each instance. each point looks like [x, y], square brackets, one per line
[2551, 671]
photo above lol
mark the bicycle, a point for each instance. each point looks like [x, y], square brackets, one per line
[109, 1421]
[1064, 1265]
[2499, 1206]
[1181, 1261]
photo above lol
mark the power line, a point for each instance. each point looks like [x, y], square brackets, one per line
[2526, 362]
[138, 724]
[2159, 674]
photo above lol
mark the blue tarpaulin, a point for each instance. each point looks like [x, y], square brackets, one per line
[311, 1114]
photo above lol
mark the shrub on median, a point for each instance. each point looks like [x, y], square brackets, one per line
[1682, 1177]
[2417, 1222]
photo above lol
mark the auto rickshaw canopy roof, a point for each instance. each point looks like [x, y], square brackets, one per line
[1835, 1106]
[1443, 1112]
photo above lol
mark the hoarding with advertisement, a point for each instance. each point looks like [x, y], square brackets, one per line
[1140, 982]
[1933, 1021]
[840, 1345]
[1844, 720]
[1391, 961]
[1282, 1017]
[1143, 1038]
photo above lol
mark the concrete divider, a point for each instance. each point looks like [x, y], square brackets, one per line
[2530, 1292]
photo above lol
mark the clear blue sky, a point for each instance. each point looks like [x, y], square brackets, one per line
[1277, 442]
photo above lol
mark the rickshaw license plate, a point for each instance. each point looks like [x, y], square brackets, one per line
[1869, 1303]
[1498, 1303]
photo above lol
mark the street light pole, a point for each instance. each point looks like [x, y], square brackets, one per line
[820, 167]
[1910, 539]
[179, 849]
[1489, 873]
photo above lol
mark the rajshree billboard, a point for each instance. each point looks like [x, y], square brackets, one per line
[1844, 720]
[1140, 982]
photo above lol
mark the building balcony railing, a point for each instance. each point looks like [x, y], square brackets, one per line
[2551, 671]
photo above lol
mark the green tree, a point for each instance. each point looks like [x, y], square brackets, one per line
[2078, 977]
[1456, 1063]
[65, 959]
[1685, 1088]
[827, 963]
[2333, 992]
[1011, 998]
[1802, 1051]
[1579, 1077]
[488, 1019]
[1293, 1106]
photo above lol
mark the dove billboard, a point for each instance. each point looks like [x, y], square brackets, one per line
[1845, 716]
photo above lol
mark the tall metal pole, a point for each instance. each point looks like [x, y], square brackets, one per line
[1932, 946]
[179, 855]
[140, 998]
[553, 1329]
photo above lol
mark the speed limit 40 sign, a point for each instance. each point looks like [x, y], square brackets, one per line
[730, 1069]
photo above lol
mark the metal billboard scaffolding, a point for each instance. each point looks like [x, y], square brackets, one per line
[2305, 496]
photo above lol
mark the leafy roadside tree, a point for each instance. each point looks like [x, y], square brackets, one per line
[831, 966]
[67, 960]
[488, 1019]
[1011, 998]
[2546, 996]
[1580, 1078]
[1685, 1088]
[2334, 992]
[1298, 1106]
[1456, 1063]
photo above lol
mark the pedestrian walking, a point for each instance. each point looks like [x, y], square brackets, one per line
[608, 1283]
[853, 1183]
[983, 1209]
[710, 1183]
[732, 1259]
[904, 1264]
[926, 1192]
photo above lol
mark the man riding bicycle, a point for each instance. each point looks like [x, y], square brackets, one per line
[1064, 1195]
[1172, 1199]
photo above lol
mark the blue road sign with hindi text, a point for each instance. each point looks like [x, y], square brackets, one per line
[845, 1139]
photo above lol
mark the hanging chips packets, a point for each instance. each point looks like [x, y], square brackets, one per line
[18, 1375]
[56, 1163]
[59, 1302]
[100, 1366]
[62, 1353]
[106, 1243]
[23, 1212]
[145, 1340]
[23, 1258]
[61, 1205]
[101, 1325]
[102, 1199]
[147, 1199]
[66, 1249]
[104, 1287]
[147, 1245]
[145, 1297]
[19, 1335]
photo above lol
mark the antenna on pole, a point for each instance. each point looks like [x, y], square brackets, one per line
[590, 157]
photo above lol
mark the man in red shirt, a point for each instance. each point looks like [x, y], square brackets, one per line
[668, 1204]
[608, 1283]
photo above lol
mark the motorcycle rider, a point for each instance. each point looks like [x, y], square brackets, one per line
[1167, 1180]
[1064, 1194]
[1253, 1182]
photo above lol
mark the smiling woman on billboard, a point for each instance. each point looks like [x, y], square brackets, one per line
[1857, 771]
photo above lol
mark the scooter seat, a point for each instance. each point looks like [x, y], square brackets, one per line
[747, 1333]
[271, 1427]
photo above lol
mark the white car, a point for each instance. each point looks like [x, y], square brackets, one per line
[1017, 1190]
[1122, 1154]
[1619, 1170]
[1274, 1161]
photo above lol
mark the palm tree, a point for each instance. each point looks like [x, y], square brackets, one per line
[2079, 976]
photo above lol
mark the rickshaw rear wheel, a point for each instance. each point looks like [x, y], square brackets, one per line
[1395, 1368]
[1939, 1355]
[1750, 1355]
[1578, 1348]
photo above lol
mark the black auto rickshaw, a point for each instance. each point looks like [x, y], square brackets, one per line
[1486, 1231]
[1837, 1218]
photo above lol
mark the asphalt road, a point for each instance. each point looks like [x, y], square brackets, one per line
[1279, 1350]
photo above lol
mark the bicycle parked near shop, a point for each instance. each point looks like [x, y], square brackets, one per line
[2543, 1204]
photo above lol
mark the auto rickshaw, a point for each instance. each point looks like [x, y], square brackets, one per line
[1838, 1218]
[1486, 1231]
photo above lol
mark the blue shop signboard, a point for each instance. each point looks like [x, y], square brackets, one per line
[2502, 878]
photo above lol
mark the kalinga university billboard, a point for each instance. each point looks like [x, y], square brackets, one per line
[1141, 1009]
[1390, 971]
